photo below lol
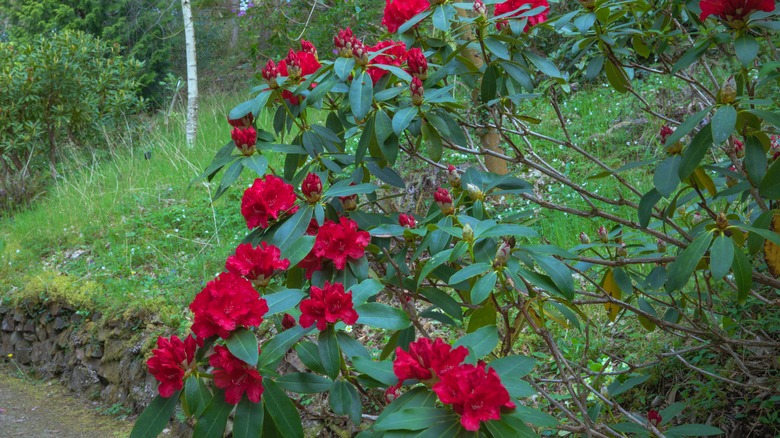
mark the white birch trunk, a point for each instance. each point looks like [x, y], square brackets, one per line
[192, 73]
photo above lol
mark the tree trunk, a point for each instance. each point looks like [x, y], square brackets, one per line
[234, 9]
[192, 73]
[489, 139]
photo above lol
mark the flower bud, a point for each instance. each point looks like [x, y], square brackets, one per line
[603, 235]
[270, 72]
[308, 47]
[584, 239]
[697, 218]
[359, 52]
[349, 203]
[479, 7]
[588, 4]
[416, 87]
[468, 233]
[444, 200]
[774, 147]
[474, 192]
[502, 255]
[660, 245]
[417, 64]
[343, 42]
[621, 250]
[245, 139]
[407, 220]
[453, 176]
[654, 417]
[730, 180]
[728, 92]
[391, 393]
[739, 148]
[312, 188]
[294, 70]
[242, 122]
[722, 221]
[665, 132]
[288, 321]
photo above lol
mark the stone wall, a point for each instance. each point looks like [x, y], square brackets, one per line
[94, 357]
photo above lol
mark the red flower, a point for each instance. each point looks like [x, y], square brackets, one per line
[344, 42]
[295, 66]
[256, 264]
[312, 188]
[308, 47]
[416, 63]
[427, 360]
[227, 302]
[242, 122]
[268, 198]
[171, 362]
[245, 139]
[327, 305]
[339, 241]
[476, 393]
[734, 11]
[270, 72]
[514, 5]
[235, 376]
[654, 417]
[392, 53]
[407, 220]
[288, 321]
[665, 132]
[398, 12]
[444, 200]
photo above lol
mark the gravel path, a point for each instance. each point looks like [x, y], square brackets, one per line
[33, 409]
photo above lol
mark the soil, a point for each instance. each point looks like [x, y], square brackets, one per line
[30, 408]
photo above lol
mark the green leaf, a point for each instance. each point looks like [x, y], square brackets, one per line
[248, 422]
[534, 416]
[439, 19]
[432, 137]
[155, 417]
[258, 163]
[402, 118]
[468, 272]
[483, 287]
[755, 160]
[229, 177]
[282, 410]
[691, 56]
[308, 354]
[682, 268]
[723, 123]
[755, 241]
[350, 347]
[488, 87]
[343, 67]
[379, 371]
[770, 117]
[364, 290]
[743, 274]
[746, 48]
[543, 64]
[443, 301]
[770, 184]
[497, 48]
[344, 400]
[299, 249]
[510, 427]
[197, 395]
[671, 411]
[251, 106]
[482, 342]
[694, 153]
[667, 177]
[687, 126]
[382, 316]
[513, 367]
[414, 418]
[304, 383]
[721, 256]
[559, 273]
[617, 77]
[437, 260]
[330, 353]
[214, 419]
[242, 343]
[646, 205]
[347, 190]
[293, 228]
[283, 300]
[617, 387]
[693, 430]
[361, 94]
[279, 344]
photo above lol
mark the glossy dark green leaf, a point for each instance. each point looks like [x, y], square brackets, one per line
[279, 344]
[743, 274]
[346, 189]
[344, 400]
[723, 123]
[666, 177]
[617, 387]
[686, 127]
[304, 383]
[299, 249]
[646, 205]
[746, 48]
[256, 162]
[155, 417]
[482, 342]
[755, 160]
[282, 410]
[228, 178]
[693, 154]
[197, 395]
[379, 371]
[414, 418]
[691, 56]
[616, 76]
[488, 87]
[543, 64]
[242, 343]
[721, 256]
[214, 419]
[770, 184]
[402, 118]
[248, 422]
[692, 430]
[682, 268]
[293, 228]
[330, 353]
[310, 356]
[559, 273]
[361, 95]
[483, 287]
[343, 67]
[283, 300]
[468, 271]
[382, 316]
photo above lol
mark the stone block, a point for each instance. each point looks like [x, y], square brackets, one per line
[8, 323]
[29, 327]
[60, 323]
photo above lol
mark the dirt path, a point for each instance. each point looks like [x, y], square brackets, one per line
[35, 409]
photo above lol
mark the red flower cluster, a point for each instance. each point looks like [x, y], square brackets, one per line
[475, 392]
[245, 139]
[406, 220]
[734, 11]
[171, 362]
[235, 376]
[398, 12]
[327, 305]
[427, 360]
[345, 41]
[268, 198]
[256, 264]
[297, 65]
[417, 65]
[308, 47]
[392, 53]
[513, 5]
[339, 241]
[227, 302]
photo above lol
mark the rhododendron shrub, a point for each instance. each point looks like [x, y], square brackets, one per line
[418, 314]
